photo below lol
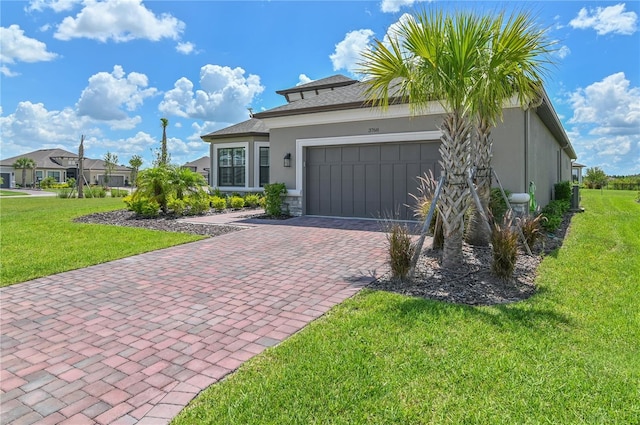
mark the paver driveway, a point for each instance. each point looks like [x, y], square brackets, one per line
[134, 340]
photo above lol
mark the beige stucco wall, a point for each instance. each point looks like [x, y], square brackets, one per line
[548, 163]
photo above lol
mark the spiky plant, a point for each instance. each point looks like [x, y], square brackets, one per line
[504, 240]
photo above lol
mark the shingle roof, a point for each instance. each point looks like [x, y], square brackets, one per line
[200, 163]
[42, 158]
[346, 97]
[333, 81]
[250, 127]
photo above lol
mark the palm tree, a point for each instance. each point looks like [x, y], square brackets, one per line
[24, 163]
[135, 162]
[514, 65]
[435, 57]
[163, 151]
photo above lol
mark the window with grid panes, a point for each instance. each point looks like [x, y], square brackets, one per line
[264, 165]
[231, 167]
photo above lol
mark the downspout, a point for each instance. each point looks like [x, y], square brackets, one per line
[526, 149]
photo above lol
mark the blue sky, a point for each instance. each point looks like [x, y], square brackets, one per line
[111, 69]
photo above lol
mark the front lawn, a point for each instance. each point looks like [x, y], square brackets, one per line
[11, 193]
[38, 237]
[568, 355]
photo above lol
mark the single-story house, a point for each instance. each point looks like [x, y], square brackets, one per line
[576, 172]
[201, 166]
[61, 165]
[338, 156]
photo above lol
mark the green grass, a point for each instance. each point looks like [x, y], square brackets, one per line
[38, 237]
[11, 193]
[568, 355]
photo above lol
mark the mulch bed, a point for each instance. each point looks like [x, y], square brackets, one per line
[472, 283]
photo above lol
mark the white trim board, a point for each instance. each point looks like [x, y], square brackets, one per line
[417, 136]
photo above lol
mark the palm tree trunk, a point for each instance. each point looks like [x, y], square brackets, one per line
[478, 233]
[24, 177]
[454, 153]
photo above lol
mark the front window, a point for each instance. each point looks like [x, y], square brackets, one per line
[231, 167]
[39, 174]
[54, 174]
[264, 166]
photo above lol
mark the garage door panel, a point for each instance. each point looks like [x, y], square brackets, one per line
[370, 154]
[367, 180]
[390, 152]
[347, 191]
[358, 191]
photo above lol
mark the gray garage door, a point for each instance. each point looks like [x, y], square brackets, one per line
[6, 180]
[369, 181]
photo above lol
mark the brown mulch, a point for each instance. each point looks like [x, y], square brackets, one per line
[472, 283]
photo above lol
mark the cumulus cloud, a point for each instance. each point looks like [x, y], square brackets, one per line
[120, 21]
[31, 126]
[303, 79]
[563, 52]
[611, 19]
[109, 95]
[16, 47]
[224, 96]
[186, 48]
[391, 6]
[348, 52]
[55, 5]
[606, 124]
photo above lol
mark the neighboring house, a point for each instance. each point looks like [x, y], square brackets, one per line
[201, 166]
[576, 173]
[338, 156]
[63, 165]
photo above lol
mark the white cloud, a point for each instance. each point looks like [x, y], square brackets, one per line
[611, 19]
[563, 52]
[32, 127]
[16, 47]
[303, 79]
[186, 48]
[224, 96]
[119, 20]
[55, 5]
[348, 52]
[606, 124]
[109, 94]
[391, 6]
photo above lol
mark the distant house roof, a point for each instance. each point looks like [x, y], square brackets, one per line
[52, 159]
[44, 158]
[251, 127]
[199, 164]
[577, 165]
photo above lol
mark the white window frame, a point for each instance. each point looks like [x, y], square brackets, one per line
[215, 161]
[256, 162]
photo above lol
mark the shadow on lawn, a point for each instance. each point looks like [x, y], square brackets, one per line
[503, 316]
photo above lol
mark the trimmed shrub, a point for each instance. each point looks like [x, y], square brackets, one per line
[145, 207]
[400, 250]
[218, 203]
[553, 213]
[273, 205]
[562, 191]
[64, 193]
[197, 204]
[178, 206]
[119, 193]
[95, 192]
[236, 202]
[505, 248]
[252, 200]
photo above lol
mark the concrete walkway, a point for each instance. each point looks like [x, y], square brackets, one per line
[134, 340]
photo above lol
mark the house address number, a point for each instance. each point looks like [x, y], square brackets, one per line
[374, 129]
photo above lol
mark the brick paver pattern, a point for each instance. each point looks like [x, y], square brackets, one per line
[134, 340]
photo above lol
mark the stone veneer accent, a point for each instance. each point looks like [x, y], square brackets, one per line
[292, 205]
